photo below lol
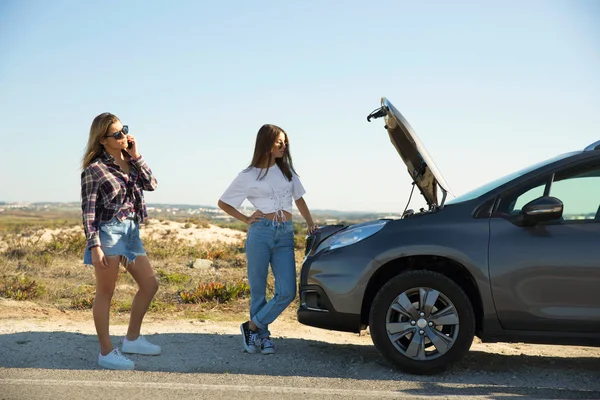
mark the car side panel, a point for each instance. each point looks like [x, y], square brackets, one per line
[546, 277]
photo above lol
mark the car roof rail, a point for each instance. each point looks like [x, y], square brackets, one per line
[593, 146]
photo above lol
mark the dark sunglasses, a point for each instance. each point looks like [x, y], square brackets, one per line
[119, 134]
[281, 144]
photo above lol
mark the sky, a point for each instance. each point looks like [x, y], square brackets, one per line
[489, 88]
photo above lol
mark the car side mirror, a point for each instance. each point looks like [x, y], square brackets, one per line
[542, 209]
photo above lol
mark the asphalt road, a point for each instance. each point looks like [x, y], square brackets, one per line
[50, 361]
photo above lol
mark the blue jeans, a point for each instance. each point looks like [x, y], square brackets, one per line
[270, 242]
[119, 238]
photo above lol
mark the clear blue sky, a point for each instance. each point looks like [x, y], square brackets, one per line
[489, 88]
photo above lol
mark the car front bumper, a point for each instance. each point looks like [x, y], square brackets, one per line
[316, 310]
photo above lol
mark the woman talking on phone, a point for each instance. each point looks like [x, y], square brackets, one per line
[112, 183]
[270, 183]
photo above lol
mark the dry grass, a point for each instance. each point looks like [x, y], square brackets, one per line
[49, 272]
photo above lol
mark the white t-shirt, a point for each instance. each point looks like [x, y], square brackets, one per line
[272, 193]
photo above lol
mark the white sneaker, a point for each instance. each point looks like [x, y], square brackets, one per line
[266, 346]
[115, 360]
[140, 346]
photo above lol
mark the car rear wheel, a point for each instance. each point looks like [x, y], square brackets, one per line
[422, 322]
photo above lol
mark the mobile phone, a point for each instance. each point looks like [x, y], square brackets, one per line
[129, 145]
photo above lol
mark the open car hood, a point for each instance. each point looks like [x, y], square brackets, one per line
[421, 167]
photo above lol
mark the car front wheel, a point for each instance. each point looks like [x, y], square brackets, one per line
[422, 322]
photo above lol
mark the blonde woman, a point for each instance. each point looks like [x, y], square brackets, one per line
[112, 201]
[270, 183]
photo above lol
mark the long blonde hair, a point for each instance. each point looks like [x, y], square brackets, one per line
[98, 130]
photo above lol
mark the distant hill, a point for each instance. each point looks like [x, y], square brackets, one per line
[191, 208]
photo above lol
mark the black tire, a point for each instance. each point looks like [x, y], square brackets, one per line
[452, 339]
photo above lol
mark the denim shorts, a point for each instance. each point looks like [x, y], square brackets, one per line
[119, 238]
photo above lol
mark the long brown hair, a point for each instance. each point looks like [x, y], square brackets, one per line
[98, 130]
[265, 140]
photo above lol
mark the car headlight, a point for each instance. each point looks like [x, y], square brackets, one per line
[353, 234]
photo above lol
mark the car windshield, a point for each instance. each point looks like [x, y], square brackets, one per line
[473, 194]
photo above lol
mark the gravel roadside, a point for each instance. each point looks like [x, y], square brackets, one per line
[210, 347]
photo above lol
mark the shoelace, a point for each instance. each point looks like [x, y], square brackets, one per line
[256, 340]
[266, 342]
[120, 356]
[251, 337]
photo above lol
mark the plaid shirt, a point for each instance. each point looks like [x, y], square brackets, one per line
[106, 192]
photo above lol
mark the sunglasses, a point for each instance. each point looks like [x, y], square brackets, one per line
[281, 144]
[119, 134]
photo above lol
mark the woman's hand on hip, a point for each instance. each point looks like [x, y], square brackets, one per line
[256, 215]
[98, 258]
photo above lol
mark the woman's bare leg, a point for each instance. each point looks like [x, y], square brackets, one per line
[105, 287]
[143, 274]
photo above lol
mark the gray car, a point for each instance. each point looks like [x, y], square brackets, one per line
[516, 260]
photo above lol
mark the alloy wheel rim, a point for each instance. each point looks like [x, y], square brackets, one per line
[422, 323]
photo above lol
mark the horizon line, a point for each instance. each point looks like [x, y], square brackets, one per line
[2, 202]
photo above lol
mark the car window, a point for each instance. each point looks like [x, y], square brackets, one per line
[580, 195]
[526, 197]
[578, 190]
[512, 202]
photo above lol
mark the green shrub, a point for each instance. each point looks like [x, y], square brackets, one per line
[172, 248]
[20, 288]
[82, 302]
[66, 244]
[172, 277]
[200, 223]
[216, 291]
[82, 297]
